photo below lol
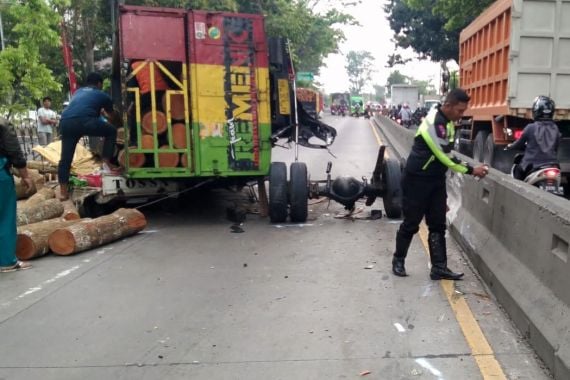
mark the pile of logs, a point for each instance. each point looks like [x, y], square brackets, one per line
[177, 139]
[46, 224]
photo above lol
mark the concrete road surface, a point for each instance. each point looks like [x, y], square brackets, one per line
[191, 299]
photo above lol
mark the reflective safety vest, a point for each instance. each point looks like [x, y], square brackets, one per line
[440, 147]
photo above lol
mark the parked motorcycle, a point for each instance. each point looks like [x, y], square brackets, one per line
[546, 177]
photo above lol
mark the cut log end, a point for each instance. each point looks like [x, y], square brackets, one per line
[62, 242]
[136, 160]
[168, 160]
[147, 124]
[25, 247]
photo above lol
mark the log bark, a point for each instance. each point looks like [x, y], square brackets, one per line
[69, 210]
[168, 160]
[39, 197]
[49, 209]
[42, 167]
[96, 232]
[136, 160]
[33, 239]
[179, 135]
[160, 123]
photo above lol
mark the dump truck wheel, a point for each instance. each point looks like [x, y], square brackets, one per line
[479, 145]
[496, 157]
[299, 192]
[278, 192]
[392, 183]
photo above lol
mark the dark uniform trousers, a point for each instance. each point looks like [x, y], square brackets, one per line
[422, 196]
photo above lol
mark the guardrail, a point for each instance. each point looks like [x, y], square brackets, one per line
[518, 238]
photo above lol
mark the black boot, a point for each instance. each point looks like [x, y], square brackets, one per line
[438, 256]
[402, 245]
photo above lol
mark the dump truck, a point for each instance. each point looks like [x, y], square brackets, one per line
[513, 52]
[311, 100]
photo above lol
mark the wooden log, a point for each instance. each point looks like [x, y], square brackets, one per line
[40, 196]
[176, 106]
[136, 160]
[147, 142]
[184, 159]
[49, 209]
[161, 125]
[179, 135]
[69, 210]
[42, 167]
[32, 240]
[96, 232]
[168, 160]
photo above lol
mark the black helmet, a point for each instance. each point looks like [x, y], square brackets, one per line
[543, 108]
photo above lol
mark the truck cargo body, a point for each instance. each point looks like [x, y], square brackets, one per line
[217, 63]
[405, 94]
[513, 52]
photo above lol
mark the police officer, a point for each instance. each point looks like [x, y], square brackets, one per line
[423, 184]
[540, 139]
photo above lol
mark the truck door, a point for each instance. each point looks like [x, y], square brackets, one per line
[229, 81]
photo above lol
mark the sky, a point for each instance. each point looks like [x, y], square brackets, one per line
[374, 35]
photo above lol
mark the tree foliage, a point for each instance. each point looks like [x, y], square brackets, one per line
[431, 27]
[25, 76]
[359, 67]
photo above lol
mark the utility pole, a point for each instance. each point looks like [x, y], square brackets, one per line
[1, 32]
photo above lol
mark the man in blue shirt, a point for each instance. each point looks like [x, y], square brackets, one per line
[82, 117]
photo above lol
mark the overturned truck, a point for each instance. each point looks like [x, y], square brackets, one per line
[205, 96]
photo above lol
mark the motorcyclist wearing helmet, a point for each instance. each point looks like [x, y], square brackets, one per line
[541, 138]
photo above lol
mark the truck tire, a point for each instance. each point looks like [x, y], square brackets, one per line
[299, 192]
[479, 145]
[278, 192]
[392, 198]
[496, 157]
[461, 143]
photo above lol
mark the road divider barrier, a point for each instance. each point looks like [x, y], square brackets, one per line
[518, 238]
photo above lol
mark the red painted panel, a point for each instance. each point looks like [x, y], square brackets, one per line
[217, 38]
[157, 34]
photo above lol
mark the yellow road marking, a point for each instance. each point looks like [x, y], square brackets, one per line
[480, 348]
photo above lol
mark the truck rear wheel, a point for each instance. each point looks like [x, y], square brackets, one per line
[496, 157]
[299, 192]
[278, 192]
[392, 183]
[479, 145]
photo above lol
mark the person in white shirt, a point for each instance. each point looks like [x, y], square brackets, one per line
[47, 119]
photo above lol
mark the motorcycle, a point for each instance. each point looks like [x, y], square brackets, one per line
[546, 177]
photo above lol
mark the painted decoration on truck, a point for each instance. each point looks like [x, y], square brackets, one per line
[230, 77]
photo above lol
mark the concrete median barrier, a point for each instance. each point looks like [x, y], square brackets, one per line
[518, 238]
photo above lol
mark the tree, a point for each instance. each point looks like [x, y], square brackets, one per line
[431, 27]
[380, 93]
[395, 77]
[24, 75]
[425, 87]
[359, 67]
[448, 9]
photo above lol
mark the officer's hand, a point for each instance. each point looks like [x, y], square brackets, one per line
[480, 171]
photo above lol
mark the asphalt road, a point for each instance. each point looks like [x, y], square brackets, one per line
[191, 299]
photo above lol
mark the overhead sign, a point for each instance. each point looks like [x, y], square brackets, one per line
[305, 76]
